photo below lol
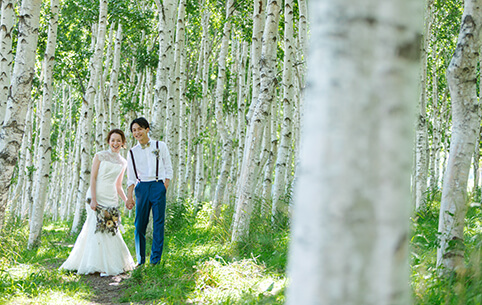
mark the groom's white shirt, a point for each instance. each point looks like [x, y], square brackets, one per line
[146, 163]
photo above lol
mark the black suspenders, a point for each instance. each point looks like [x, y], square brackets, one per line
[157, 163]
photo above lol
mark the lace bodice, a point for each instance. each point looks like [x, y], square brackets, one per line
[109, 156]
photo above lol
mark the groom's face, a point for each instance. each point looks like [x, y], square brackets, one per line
[140, 134]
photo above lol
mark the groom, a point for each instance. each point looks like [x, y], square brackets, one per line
[149, 172]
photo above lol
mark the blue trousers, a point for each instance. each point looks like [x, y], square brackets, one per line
[150, 195]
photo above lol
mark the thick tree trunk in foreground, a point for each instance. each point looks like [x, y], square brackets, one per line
[19, 96]
[351, 212]
[461, 76]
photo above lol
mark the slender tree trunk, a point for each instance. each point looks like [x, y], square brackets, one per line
[86, 114]
[28, 168]
[203, 107]
[350, 231]
[114, 80]
[175, 96]
[421, 145]
[256, 49]
[45, 149]
[221, 122]
[19, 96]
[167, 11]
[284, 153]
[244, 203]
[7, 22]
[461, 77]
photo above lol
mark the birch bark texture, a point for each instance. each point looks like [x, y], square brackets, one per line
[86, 113]
[7, 21]
[462, 80]
[351, 213]
[421, 144]
[45, 149]
[19, 96]
[254, 134]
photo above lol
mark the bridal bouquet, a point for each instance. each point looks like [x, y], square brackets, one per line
[107, 219]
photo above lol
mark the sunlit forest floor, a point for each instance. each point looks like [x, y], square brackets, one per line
[429, 286]
[199, 265]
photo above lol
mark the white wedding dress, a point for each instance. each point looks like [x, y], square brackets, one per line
[101, 252]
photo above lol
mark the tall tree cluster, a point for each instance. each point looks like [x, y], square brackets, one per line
[222, 83]
[219, 82]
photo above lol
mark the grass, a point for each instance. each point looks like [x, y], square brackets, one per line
[460, 288]
[199, 264]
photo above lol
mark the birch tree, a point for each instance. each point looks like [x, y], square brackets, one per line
[45, 149]
[6, 26]
[350, 232]
[224, 132]
[284, 153]
[86, 113]
[421, 145]
[244, 203]
[461, 77]
[114, 81]
[167, 11]
[19, 96]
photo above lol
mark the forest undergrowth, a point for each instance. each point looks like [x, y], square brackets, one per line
[430, 286]
[199, 264]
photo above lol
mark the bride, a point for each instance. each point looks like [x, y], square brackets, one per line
[99, 246]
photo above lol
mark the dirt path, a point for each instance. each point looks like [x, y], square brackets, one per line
[106, 288]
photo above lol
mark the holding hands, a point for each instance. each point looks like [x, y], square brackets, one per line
[130, 203]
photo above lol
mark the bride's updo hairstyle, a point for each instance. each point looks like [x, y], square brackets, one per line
[119, 132]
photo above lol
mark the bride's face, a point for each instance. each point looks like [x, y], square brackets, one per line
[115, 142]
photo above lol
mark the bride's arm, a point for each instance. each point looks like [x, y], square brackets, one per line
[93, 182]
[118, 185]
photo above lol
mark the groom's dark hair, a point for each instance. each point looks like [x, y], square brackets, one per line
[142, 122]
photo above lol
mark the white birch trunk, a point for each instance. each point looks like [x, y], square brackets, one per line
[27, 185]
[244, 203]
[173, 126]
[301, 67]
[256, 49]
[86, 115]
[461, 77]
[182, 185]
[24, 162]
[283, 159]
[221, 122]
[74, 191]
[270, 163]
[167, 10]
[242, 97]
[7, 22]
[350, 231]
[421, 146]
[199, 155]
[103, 122]
[45, 149]
[436, 139]
[114, 79]
[19, 96]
